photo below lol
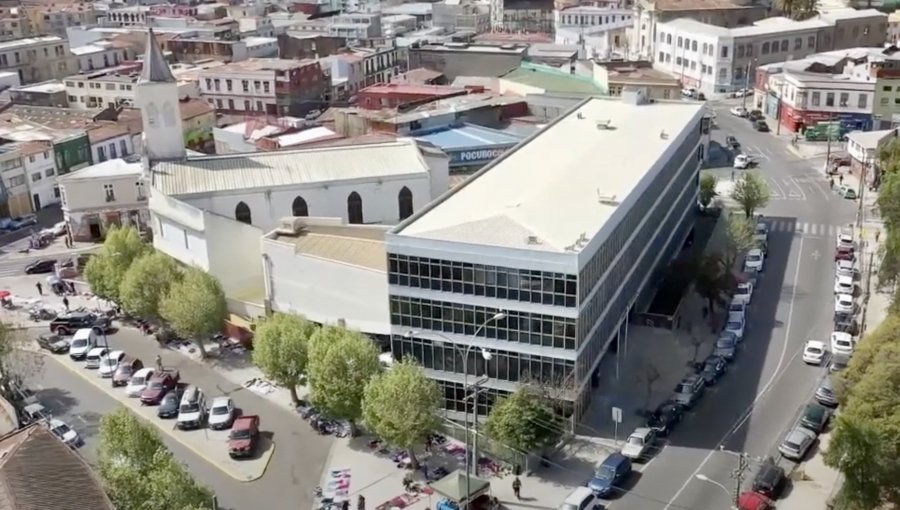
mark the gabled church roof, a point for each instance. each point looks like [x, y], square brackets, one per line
[156, 69]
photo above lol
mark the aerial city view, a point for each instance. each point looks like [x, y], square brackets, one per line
[449, 255]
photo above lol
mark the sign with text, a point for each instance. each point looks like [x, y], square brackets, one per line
[476, 156]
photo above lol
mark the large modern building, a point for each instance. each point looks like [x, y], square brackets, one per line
[565, 235]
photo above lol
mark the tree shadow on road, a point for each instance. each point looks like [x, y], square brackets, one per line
[58, 401]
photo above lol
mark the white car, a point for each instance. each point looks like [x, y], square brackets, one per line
[743, 293]
[221, 413]
[814, 352]
[755, 260]
[843, 285]
[638, 443]
[138, 382]
[92, 360]
[739, 111]
[689, 92]
[737, 306]
[735, 326]
[110, 362]
[843, 303]
[742, 161]
[61, 430]
[845, 240]
[845, 268]
[842, 343]
[761, 232]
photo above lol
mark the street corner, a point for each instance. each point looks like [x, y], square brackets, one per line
[207, 444]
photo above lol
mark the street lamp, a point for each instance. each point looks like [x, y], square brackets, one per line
[704, 478]
[486, 356]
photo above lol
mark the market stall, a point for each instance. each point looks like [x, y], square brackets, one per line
[460, 491]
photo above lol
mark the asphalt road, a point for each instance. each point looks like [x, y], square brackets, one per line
[296, 465]
[752, 408]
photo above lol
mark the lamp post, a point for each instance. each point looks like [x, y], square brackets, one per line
[704, 478]
[486, 355]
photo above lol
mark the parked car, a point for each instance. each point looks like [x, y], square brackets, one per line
[845, 268]
[743, 292]
[815, 417]
[755, 261]
[244, 436]
[754, 501]
[638, 444]
[168, 406]
[737, 306]
[93, 357]
[712, 369]
[844, 253]
[847, 192]
[127, 368]
[845, 239]
[735, 326]
[825, 393]
[41, 266]
[814, 352]
[797, 443]
[221, 413]
[82, 342]
[761, 126]
[110, 363]
[761, 231]
[53, 343]
[158, 385]
[27, 220]
[726, 346]
[192, 409]
[843, 303]
[739, 111]
[742, 162]
[732, 142]
[755, 115]
[770, 479]
[689, 390]
[138, 382]
[843, 285]
[665, 416]
[838, 362]
[846, 323]
[842, 343]
[615, 469]
[63, 431]
[68, 323]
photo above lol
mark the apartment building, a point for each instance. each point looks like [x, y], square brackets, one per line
[53, 18]
[264, 86]
[15, 194]
[40, 168]
[13, 23]
[37, 59]
[456, 15]
[301, 45]
[601, 31]
[617, 77]
[111, 87]
[133, 16]
[196, 50]
[354, 26]
[714, 59]
[517, 17]
[463, 59]
[100, 55]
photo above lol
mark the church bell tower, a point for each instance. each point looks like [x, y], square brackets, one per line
[157, 98]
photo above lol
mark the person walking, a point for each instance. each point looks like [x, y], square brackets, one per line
[159, 365]
[841, 179]
[877, 235]
[40, 288]
[517, 488]
[66, 303]
[831, 182]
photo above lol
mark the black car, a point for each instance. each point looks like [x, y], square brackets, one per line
[168, 406]
[815, 417]
[666, 416]
[69, 323]
[846, 323]
[761, 126]
[732, 142]
[712, 369]
[769, 480]
[40, 266]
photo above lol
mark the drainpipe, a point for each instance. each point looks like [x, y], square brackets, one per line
[267, 281]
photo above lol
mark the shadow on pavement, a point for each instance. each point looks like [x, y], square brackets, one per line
[57, 401]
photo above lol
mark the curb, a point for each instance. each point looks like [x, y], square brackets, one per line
[163, 427]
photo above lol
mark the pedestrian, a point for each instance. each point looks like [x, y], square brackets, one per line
[159, 363]
[732, 175]
[877, 235]
[361, 503]
[831, 182]
[40, 288]
[841, 179]
[517, 488]
[66, 303]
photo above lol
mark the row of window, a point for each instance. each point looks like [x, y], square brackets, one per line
[248, 105]
[37, 176]
[113, 152]
[215, 84]
[503, 365]
[522, 327]
[30, 55]
[299, 207]
[481, 280]
[815, 99]
[582, 20]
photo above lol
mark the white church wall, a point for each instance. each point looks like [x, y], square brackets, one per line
[439, 170]
[235, 257]
[379, 200]
[178, 230]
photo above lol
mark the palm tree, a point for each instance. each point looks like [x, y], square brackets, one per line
[786, 6]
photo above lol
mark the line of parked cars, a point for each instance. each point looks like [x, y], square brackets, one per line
[154, 386]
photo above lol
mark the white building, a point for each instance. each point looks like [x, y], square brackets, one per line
[40, 167]
[600, 31]
[864, 147]
[108, 193]
[111, 87]
[565, 251]
[261, 47]
[100, 55]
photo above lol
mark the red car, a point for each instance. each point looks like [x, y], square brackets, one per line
[844, 253]
[158, 386]
[244, 436]
[754, 501]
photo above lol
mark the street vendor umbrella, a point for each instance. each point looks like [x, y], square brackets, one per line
[53, 279]
[453, 487]
[5, 294]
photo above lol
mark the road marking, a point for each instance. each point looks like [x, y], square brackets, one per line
[775, 375]
[816, 255]
[779, 193]
[796, 183]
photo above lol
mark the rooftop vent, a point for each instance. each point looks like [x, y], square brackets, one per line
[604, 125]
[532, 240]
[663, 135]
[580, 116]
[607, 199]
[291, 225]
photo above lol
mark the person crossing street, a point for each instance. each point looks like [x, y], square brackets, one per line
[517, 488]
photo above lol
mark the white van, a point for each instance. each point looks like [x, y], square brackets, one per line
[83, 341]
[582, 498]
[192, 410]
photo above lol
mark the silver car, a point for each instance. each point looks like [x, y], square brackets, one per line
[797, 443]
[726, 346]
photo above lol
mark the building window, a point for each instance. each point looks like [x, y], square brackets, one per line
[845, 99]
[680, 42]
[31, 159]
[740, 51]
[124, 147]
[784, 45]
[101, 153]
[35, 177]
[231, 104]
[829, 99]
[662, 57]
[266, 87]
[245, 85]
[141, 193]
[693, 45]
[815, 98]
[299, 207]
[810, 42]
[677, 61]
[724, 51]
[765, 48]
[863, 101]
[354, 208]
[798, 43]
[405, 201]
[112, 151]
[109, 192]
[247, 105]
[242, 213]
[668, 38]
[228, 85]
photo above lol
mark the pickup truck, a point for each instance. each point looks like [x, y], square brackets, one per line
[70, 322]
[244, 437]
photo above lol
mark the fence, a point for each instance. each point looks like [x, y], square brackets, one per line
[490, 447]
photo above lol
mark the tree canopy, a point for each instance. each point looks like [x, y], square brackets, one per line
[708, 183]
[341, 362]
[712, 279]
[146, 282]
[106, 270]
[739, 237]
[139, 473]
[401, 405]
[195, 306]
[524, 421]
[751, 192]
[281, 350]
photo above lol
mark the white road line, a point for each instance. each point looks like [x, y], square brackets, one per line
[775, 375]
[780, 191]
[799, 188]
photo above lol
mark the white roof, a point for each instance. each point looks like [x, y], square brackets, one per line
[220, 401]
[47, 87]
[109, 168]
[871, 139]
[307, 135]
[844, 297]
[96, 351]
[815, 343]
[87, 49]
[243, 172]
[560, 185]
[840, 335]
[845, 280]
[259, 41]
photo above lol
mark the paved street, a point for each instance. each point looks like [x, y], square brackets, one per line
[760, 398]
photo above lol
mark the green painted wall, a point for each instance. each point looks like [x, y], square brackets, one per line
[72, 153]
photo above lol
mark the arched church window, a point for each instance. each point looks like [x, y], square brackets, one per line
[299, 207]
[405, 202]
[354, 208]
[242, 213]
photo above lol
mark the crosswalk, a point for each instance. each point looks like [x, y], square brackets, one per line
[805, 228]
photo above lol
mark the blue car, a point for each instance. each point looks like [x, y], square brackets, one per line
[610, 474]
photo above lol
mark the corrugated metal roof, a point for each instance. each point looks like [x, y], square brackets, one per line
[287, 168]
[468, 136]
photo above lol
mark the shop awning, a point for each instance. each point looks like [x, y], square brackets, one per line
[453, 487]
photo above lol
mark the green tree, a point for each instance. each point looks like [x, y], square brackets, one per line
[524, 421]
[751, 192]
[854, 450]
[739, 237]
[146, 282]
[106, 270]
[195, 306]
[708, 183]
[281, 350]
[341, 362]
[401, 406]
[139, 473]
[869, 350]
[786, 6]
[712, 279]
[888, 202]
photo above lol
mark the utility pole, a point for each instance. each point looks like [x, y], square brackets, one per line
[738, 476]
